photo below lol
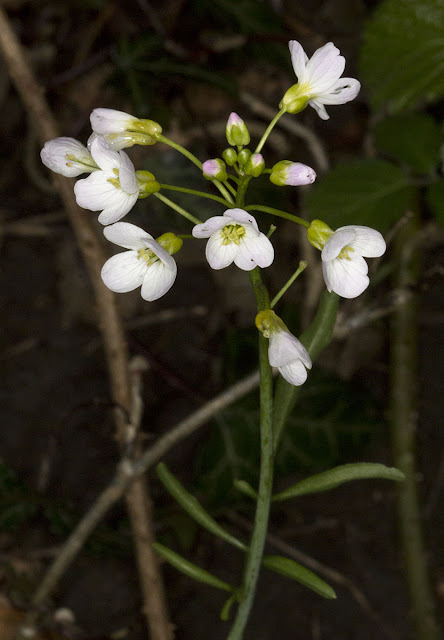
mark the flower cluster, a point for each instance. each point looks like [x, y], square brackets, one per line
[113, 186]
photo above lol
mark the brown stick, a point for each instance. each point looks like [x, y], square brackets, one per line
[137, 499]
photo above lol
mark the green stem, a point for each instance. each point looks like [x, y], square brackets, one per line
[176, 207]
[278, 213]
[268, 130]
[403, 417]
[287, 285]
[194, 160]
[194, 192]
[257, 542]
[241, 191]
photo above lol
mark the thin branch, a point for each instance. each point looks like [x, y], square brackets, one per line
[137, 499]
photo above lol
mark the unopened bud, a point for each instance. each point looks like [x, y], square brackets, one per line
[237, 132]
[170, 242]
[318, 233]
[230, 156]
[294, 174]
[214, 170]
[255, 165]
[243, 157]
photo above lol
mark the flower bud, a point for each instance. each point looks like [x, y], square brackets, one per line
[318, 234]
[170, 242]
[243, 156]
[111, 121]
[68, 157]
[294, 174]
[237, 132]
[255, 165]
[214, 169]
[147, 184]
[230, 156]
[294, 100]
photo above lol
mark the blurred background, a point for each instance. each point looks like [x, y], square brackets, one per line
[188, 64]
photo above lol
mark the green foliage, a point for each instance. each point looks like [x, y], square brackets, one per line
[335, 477]
[291, 569]
[402, 59]
[374, 193]
[189, 569]
[193, 507]
[435, 200]
[249, 16]
[412, 139]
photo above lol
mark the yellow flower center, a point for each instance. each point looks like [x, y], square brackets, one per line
[232, 233]
[344, 253]
[147, 256]
[115, 181]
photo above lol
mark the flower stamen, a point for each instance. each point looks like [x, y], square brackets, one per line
[147, 256]
[232, 233]
[344, 252]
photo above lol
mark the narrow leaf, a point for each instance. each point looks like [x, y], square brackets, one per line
[291, 569]
[245, 488]
[190, 569]
[337, 476]
[193, 507]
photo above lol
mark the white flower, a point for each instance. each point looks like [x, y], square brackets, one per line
[235, 237]
[319, 80]
[104, 121]
[343, 265]
[114, 189]
[67, 156]
[146, 263]
[288, 354]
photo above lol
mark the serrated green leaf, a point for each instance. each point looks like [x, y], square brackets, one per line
[190, 569]
[402, 59]
[368, 192]
[412, 139]
[335, 477]
[435, 200]
[193, 507]
[291, 569]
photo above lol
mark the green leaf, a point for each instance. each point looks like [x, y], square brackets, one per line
[190, 569]
[435, 200]
[368, 192]
[193, 507]
[291, 569]
[412, 139]
[402, 59]
[335, 477]
[245, 488]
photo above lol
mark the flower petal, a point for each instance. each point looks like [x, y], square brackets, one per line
[346, 277]
[105, 121]
[318, 106]
[254, 251]
[367, 241]
[122, 204]
[285, 348]
[340, 239]
[159, 278]
[207, 228]
[105, 157]
[123, 272]
[127, 235]
[94, 192]
[295, 373]
[220, 255]
[127, 174]
[54, 154]
[241, 217]
[299, 59]
[324, 68]
[161, 253]
[344, 90]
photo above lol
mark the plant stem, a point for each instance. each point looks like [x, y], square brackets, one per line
[269, 130]
[256, 547]
[287, 285]
[278, 213]
[176, 207]
[404, 384]
[194, 160]
[194, 192]
[241, 190]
